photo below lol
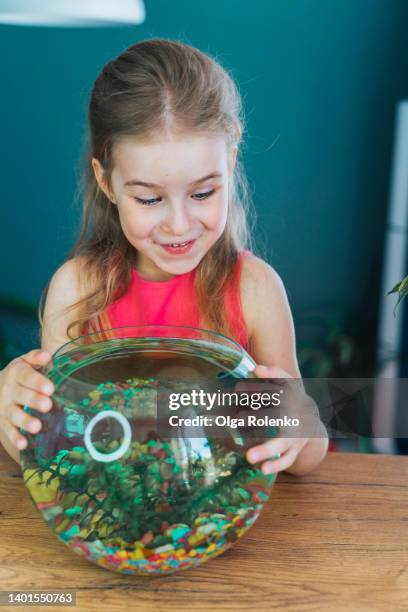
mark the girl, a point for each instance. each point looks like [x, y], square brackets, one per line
[164, 236]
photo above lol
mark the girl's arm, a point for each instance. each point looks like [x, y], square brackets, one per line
[20, 384]
[272, 344]
[268, 316]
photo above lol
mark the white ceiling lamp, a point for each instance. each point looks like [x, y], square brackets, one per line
[72, 13]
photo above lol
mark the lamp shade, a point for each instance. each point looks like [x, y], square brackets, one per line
[72, 13]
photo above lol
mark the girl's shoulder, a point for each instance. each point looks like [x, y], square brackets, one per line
[64, 291]
[256, 267]
[260, 288]
[66, 285]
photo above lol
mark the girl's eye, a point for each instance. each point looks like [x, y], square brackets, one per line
[149, 202]
[197, 196]
[205, 195]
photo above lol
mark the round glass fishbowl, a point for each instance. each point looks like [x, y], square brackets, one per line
[109, 484]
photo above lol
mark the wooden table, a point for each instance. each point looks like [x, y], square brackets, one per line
[333, 540]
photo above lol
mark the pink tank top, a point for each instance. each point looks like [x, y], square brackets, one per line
[172, 303]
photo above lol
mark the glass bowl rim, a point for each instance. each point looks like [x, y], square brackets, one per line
[236, 344]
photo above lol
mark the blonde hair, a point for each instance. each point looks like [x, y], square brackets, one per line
[153, 85]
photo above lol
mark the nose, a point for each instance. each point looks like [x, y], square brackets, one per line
[177, 220]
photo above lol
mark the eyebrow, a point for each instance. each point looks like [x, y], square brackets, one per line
[200, 180]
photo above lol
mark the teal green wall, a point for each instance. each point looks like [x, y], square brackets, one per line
[320, 80]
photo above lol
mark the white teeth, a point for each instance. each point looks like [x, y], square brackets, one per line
[181, 244]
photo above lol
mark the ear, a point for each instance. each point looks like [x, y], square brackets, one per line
[100, 178]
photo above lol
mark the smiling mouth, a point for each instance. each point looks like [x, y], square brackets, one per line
[178, 248]
[178, 244]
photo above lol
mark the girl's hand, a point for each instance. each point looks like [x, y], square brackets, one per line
[21, 385]
[278, 454]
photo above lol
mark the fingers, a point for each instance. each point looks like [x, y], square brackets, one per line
[22, 385]
[33, 399]
[263, 371]
[275, 446]
[36, 357]
[12, 433]
[277, 455]
[25, 375]
[22, 419]
[281, 464]
[275, 375]
[14, 418]
[286, 380]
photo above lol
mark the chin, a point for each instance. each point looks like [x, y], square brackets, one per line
[179, 267]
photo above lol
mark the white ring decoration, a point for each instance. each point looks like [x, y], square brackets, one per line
[127, 436]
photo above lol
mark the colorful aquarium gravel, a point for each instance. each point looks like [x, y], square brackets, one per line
[161, 506]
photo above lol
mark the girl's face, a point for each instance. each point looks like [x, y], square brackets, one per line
[170, 191]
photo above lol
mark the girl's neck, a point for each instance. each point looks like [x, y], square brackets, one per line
[149, 271]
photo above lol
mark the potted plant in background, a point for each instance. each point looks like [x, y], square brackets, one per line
[402, 289]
